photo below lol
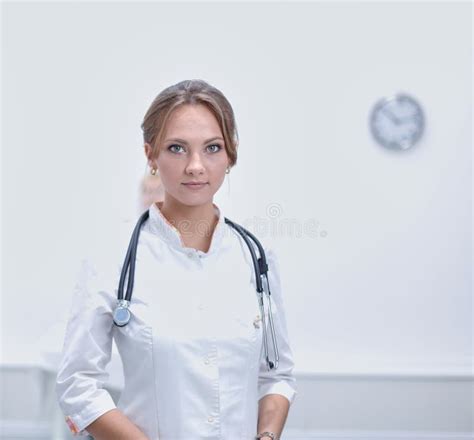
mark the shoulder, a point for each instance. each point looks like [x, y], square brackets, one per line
[268, 249]
[273, 265]
[99, 267]
[271, 255]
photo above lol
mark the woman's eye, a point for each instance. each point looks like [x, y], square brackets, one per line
[216, 145]
[174, 145]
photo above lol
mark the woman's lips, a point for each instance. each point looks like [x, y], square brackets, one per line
[194, 185]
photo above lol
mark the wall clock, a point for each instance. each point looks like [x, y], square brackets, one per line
[397, 122]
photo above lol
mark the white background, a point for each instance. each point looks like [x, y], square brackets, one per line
[385, 283]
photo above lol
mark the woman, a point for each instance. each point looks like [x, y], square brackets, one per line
[192, 353]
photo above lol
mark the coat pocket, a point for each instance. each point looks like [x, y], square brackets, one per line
[248, 322]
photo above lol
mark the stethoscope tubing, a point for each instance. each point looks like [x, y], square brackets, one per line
[261, 269]
[130, 258]
[261, 280]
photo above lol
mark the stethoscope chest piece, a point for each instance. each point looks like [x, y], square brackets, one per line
[122, 314]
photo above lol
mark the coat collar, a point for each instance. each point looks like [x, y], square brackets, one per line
[160, 226]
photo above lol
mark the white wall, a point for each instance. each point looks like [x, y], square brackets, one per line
[384, 286]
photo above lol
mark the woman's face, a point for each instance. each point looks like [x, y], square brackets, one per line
[192, 150]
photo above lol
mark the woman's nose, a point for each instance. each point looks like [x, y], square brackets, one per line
[195, 164]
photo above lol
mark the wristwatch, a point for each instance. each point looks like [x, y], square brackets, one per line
[266, 434]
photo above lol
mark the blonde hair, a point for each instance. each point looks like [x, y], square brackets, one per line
[193, 91]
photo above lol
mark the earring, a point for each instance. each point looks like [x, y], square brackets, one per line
[227, 171]
[153, 171]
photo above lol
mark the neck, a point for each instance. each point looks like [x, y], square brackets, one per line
[193, 222]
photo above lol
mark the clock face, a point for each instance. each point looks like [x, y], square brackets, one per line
[397, 122]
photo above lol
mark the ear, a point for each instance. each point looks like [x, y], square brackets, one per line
[148, 150]
[147, 147]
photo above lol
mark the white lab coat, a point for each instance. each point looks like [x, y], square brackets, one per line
[192, 353]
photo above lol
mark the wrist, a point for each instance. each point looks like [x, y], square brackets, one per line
[266, 435]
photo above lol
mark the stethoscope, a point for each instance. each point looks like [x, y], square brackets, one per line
[122, 313]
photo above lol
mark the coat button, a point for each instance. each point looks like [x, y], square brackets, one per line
[210, 419]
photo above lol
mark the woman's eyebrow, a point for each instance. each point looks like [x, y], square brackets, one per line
[184, 142]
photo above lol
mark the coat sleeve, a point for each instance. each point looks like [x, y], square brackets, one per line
[86, 352]
[280, 380]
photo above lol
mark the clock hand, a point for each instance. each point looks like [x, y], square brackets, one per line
[391, 116]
